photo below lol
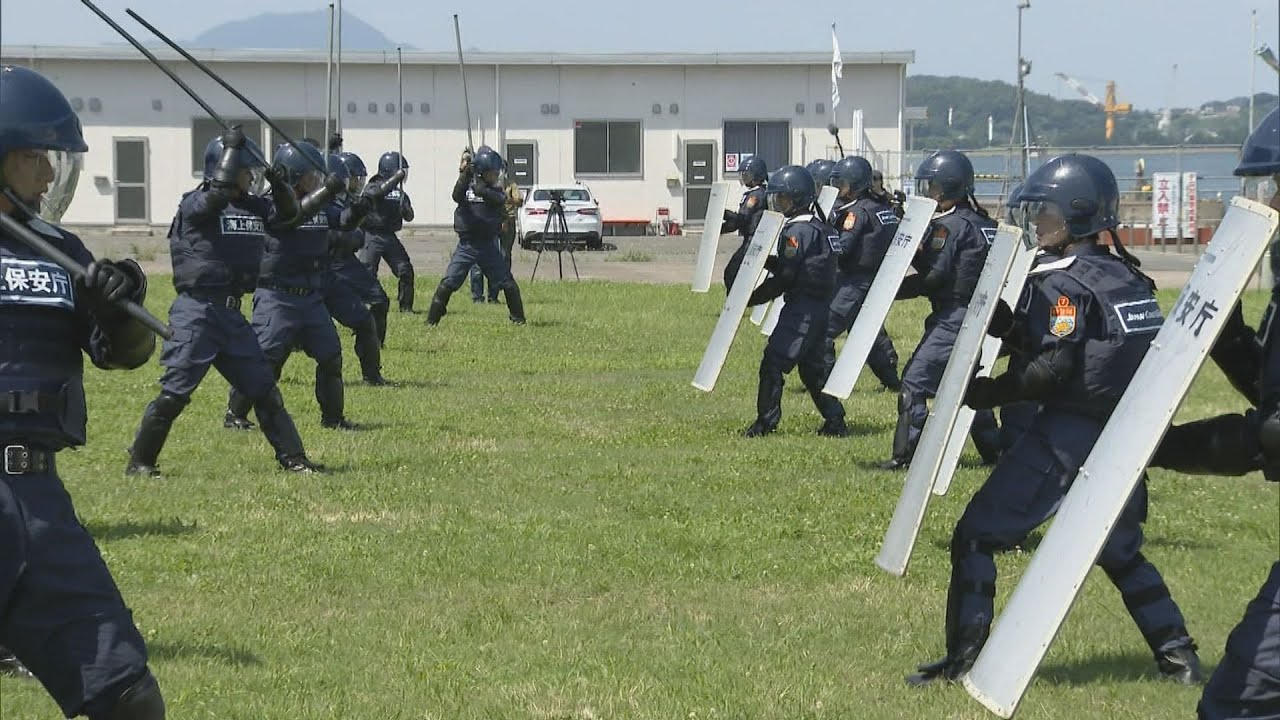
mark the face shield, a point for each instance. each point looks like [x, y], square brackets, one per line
[1046, 221]
[310, 181]
[252, 180]
[779, 203]
[928, 188]
[355, 184]
[44, 180]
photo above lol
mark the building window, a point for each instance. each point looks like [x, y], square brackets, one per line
[205, 129]
[606, 147]
[312, 128]
[770, 140]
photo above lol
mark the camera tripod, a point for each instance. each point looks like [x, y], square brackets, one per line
[557, 239]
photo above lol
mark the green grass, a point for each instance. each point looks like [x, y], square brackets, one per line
[550, 522]
[638, 256]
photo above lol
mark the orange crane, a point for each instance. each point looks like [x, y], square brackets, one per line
[1109, 106]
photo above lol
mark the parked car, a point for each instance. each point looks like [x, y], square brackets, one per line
[581, 215]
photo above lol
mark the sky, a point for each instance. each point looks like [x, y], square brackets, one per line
[1136, 43]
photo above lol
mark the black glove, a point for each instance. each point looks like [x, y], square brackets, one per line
[1001, 320]
[985, 393]
[771, 263]
[106, 283]
[464, 165]
[335, 142]
[361, 206]
[912, 287]
[729, 215]
[233, 138]
[274, 177]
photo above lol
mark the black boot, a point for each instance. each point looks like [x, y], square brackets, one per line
[439, 305]
[238, 406]
[278, 427]
[515, 304]
[330, 393]
[301, 464]
[759, 428]
[231, 421]
[1181, 665]
[11, 666]
[157, 420]
[901, 452]
[969, 642]
[369, 353]
[404, 289]
[834, 427]
[379, 312]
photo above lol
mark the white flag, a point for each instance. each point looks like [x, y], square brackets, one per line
[837, 69]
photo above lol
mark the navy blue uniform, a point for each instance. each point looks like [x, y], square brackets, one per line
[1073, 330]
[1016, 417]
[353, 296]
[381, 226]
[477, 219]
[949, 264]
[289, 311]
[60, 611]
[1246, 683]
[743, 222]
[216, 248]
[867, 227]
[805, 276]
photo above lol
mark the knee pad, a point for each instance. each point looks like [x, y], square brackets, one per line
[331, 365]
[169, 405]
[140, 701]
[404, 269]
[904, 400]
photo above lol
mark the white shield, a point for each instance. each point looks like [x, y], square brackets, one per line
[875, 307]
[1022, 261]
[710, 238]
[764, 239]
[826, 201]
[1039, 604]
[899, 540]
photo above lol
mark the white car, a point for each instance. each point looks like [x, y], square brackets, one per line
[581, 216]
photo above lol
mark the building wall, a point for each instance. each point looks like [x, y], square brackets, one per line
[506, 104]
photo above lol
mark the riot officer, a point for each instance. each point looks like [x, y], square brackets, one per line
[61, 613]
[478, 220]
[1246, 684]
[804, 272]
[866, 226]
[216, 244]
[348, 267]
[345, 298]
[288, 305]
[948, 265]
[752, 174]
[507, 240]
[821, 170]
[1079, 358]
[386, 218]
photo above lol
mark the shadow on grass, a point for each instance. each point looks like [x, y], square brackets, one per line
[1128, 667]
[107, 531]
[1028, 545]
[185, 650]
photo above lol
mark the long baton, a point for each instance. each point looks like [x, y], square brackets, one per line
[45, 248]
[835, 133]
[400, 90]
[328, 94]
[337, 108]
[177, 80]
[462, 73]
[227, 86]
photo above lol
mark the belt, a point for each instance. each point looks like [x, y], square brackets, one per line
[25, 459]
[299, 291]
[25, 402]
[219, 299]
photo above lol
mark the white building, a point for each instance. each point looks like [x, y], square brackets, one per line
[644, 131]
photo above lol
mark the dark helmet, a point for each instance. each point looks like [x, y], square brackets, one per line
[753, 170]
[487, 159]
[853, 172]
[390, 162]
[820, 170]
[338, 168]
[249, 156]
[1082, 187]
[34, 115]
[1012, 205]
[950, 171]
[295, 163]
[353, 164]
[793, 182]
[1261, 152]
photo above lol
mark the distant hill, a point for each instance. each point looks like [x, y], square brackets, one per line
[293, 31]
[1065, 123]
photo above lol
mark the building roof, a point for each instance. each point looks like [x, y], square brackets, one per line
[127, 53]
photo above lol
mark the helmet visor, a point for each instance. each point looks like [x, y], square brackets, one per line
[65, 167]
[1045, 220]
[928, 188]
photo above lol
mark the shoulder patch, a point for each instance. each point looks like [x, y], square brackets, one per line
[791, 246]
[1062, 317]
[849, 222]
[752, 201]
[990, 234]
[887, 217]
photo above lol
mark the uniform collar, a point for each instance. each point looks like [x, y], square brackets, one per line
[939, 215]
[802, 217]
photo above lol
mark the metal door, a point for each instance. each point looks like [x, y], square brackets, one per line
[131, 181]
[522, 163]
[699, 173]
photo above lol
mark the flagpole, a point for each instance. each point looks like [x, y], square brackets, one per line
[837, 72]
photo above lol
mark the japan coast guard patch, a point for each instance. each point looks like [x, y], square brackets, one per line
[790, 247]
[939, 239]
[1062, 317]
[849, 222]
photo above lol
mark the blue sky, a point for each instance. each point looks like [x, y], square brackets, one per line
[1134, 42]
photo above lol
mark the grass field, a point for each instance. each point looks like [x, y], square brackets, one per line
[550, 522]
